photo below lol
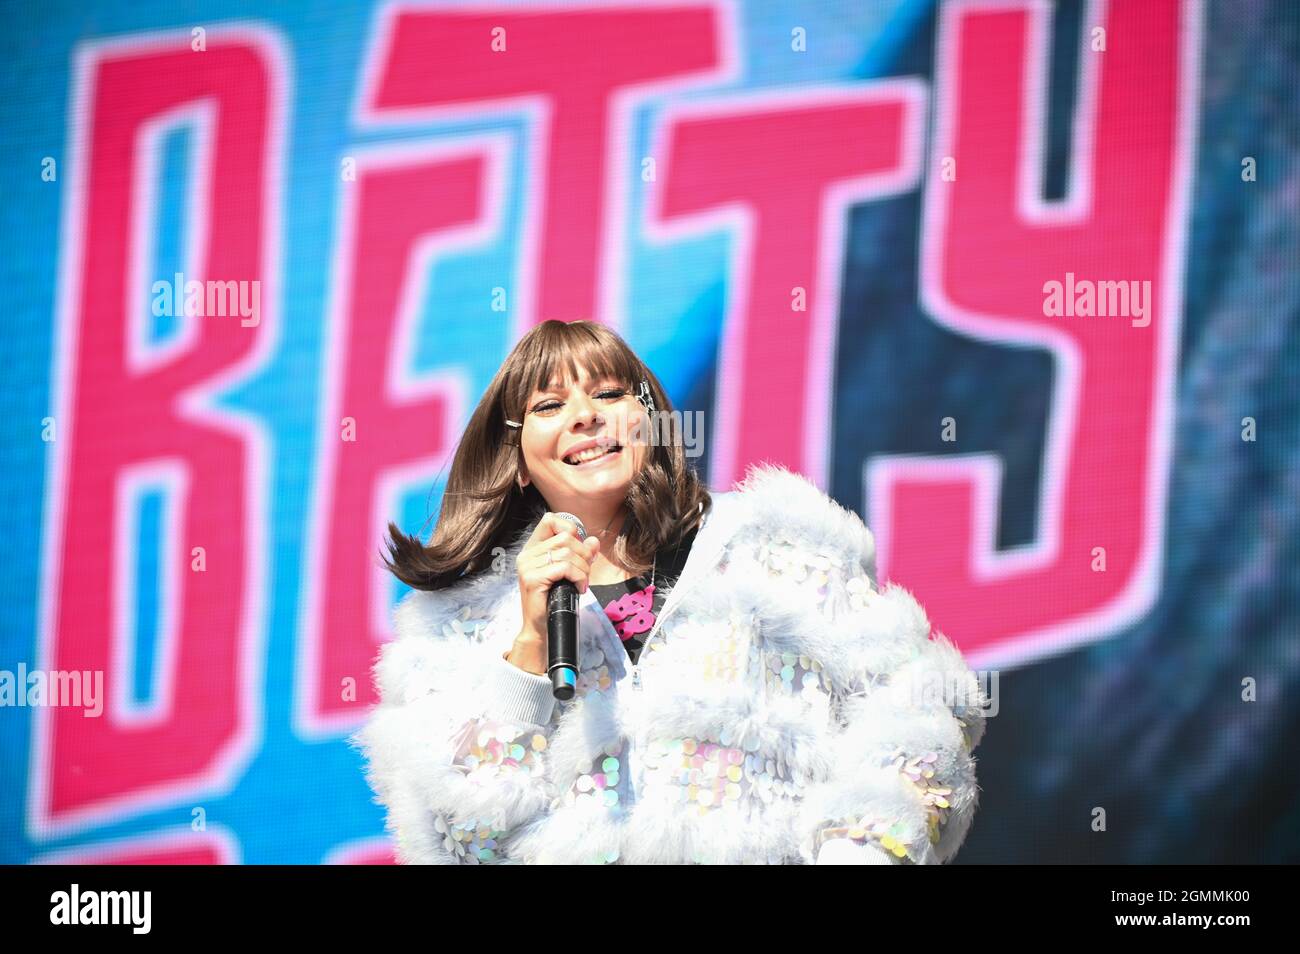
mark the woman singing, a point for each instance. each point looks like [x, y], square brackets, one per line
[746, 693]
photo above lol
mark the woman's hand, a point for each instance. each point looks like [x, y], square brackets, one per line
[552, 553]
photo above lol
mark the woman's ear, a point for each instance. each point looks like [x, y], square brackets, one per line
[522, 478]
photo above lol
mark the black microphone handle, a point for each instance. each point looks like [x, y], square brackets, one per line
[562, 638]
[562, 628]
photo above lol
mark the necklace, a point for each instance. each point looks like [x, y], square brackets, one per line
[653, 566]
[601, 533]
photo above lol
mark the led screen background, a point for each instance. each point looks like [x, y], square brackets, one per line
[830, 228]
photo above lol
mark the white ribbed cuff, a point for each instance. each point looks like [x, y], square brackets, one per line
[512, 694]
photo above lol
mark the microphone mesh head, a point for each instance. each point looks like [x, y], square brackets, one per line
[578, 528]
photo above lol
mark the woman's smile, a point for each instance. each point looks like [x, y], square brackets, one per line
[601, 459]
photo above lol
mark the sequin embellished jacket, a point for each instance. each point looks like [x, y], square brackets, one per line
[784, 710]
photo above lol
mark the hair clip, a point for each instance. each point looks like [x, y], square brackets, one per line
[646, 398]
[512, 434]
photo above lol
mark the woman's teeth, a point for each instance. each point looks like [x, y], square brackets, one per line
[590, 454]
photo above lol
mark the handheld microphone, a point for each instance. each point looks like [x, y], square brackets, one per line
[562, 629]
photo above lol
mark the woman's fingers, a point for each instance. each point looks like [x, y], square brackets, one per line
[555, 552]
[575, 566]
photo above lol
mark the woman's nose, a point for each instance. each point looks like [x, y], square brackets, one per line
[585, 410]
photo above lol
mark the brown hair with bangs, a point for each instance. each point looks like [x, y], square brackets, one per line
[483, 506]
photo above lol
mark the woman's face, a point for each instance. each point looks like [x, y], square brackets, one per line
[557, 423]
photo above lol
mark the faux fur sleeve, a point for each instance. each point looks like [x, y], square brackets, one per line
[904, 710]
[908, 720]
[455, 747]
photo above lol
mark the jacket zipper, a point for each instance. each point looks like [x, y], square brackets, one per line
[675, 599]
[673, 602]
[632, 762]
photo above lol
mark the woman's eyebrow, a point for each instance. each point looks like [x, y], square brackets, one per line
[544, 392]
[556, 389]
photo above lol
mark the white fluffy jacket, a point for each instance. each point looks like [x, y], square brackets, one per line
[784, 711]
